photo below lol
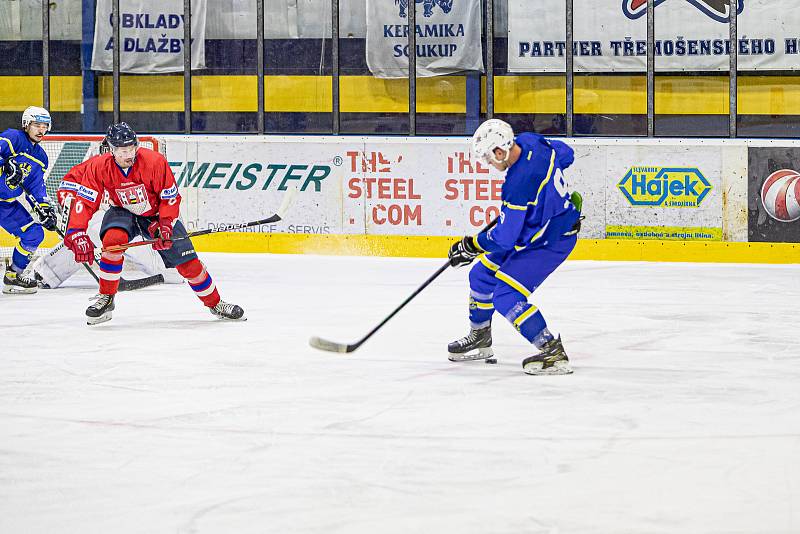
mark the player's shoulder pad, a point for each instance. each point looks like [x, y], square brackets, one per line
[528, 138]
[153, 160]
[39, 153]
[13, 136]
[20, 144]
[80, 168]
[98, 161]
[533, 161]
[149, 155]
[534, 147]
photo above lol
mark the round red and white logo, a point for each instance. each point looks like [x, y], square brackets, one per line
[780, 195]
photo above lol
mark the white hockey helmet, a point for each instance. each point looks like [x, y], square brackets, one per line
[492, 134]
[36, 114]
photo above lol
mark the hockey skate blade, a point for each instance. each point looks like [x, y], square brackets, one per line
[9, 290]
[241, 319]
[328, 346]
[559, 368]
[91, 321]
[482, 354]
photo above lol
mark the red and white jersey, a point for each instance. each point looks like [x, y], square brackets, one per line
[148, 188]
[72, 181]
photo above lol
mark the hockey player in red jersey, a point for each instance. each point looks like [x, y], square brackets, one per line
[144, 201]
[51, 270]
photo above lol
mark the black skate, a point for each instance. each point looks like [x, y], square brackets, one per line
[551, 361]
[18, 284]
[100, 310]
[230, 312]
[477, 345]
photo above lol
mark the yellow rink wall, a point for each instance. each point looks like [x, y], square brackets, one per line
[436, 247]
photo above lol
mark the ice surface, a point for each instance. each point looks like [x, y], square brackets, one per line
[683, 414]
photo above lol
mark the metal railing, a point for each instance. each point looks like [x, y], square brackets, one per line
[488, 7]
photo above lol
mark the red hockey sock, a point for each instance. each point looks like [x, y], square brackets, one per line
[111, 262]
[195, 273]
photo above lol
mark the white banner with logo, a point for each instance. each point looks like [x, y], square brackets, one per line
[690, 35]
[151, 33]
[448, 37]
[664, 192]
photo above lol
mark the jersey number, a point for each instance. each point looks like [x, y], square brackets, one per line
[560, 184]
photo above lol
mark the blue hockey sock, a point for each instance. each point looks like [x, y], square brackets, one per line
[527, 319]
[480, 309]
[20, 260]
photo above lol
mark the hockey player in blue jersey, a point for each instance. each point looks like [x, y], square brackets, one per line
[22, 165]
[535, 232]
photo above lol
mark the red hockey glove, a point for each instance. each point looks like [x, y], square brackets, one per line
[80, 245]
[162, 231]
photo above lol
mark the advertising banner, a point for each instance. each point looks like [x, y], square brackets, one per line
[664, 192]
[773, 194]
[346, 185]
[690, 35]
[151, 33]
[448, 37]
[432, 186]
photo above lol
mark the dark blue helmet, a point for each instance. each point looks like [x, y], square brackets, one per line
[121, 135]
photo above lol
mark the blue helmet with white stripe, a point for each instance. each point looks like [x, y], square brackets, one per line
[36, 114]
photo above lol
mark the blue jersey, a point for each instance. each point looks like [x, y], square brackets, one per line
[32, 160]
[536, 207]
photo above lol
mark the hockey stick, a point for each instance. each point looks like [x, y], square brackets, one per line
[331, 346]
[288, 197]
[124, 285]
[38, 210]
[139, 283]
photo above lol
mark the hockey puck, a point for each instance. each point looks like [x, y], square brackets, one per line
[491, 360]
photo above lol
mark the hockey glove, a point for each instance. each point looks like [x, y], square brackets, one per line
[463, 252]
[80, 245]
[12, 173]
[162, 231]
[577, 201]
[48, 216]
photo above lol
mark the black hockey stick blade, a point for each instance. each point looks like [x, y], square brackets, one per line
[331, 346]
[132, 285]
